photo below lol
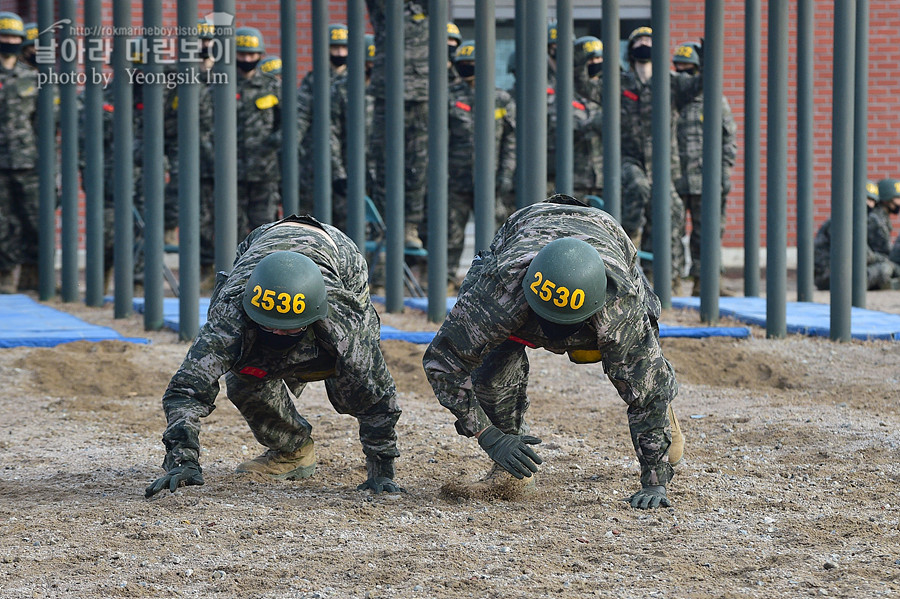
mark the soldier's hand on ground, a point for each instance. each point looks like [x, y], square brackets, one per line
[511, 452]
[649, 497]
[185, 474]
[380, 484]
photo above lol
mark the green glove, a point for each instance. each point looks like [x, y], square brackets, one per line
[511, 451]
[649, 497]
[188, 473]
[379, 484]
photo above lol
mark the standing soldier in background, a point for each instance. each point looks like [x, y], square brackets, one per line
[339, 101]
[461, 154]
[415, 88]
[552, 39]
[19, 209]
[587, 121]
[29, 52]
[881, 272]
[689, 131]
[258, 134]
[337, 56]
[454, 39]
[204, 64]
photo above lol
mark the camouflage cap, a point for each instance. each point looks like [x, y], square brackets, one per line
[11, 24]
[337, 34]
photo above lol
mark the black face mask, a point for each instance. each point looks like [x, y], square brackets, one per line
[594, 69]
[337, 61]
[451, 52]
[556, 332]
[893, 208]
[641, 53]
[204, 52]
[368, 71]
[9, 49]
[465, 69]
[278, 342]
[247, 66]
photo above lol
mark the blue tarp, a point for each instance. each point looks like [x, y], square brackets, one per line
[806, 318]
[25, 322]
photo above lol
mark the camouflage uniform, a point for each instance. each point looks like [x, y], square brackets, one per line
[587, 145]
[461, 160]
[19, 211]
[415, 82]
[690, 150]
[207, 166]
[477, 364]
[305, 117]
[259, 142]
[879, 268]
[895, 251]
[342, 349]
[339, 101]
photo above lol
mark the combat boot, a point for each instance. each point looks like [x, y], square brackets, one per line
[676, 449]
[282, 465]
[676, 286]
[695, 290]
[9, 280]
[411, 236]
[501, 484]
[29, 278]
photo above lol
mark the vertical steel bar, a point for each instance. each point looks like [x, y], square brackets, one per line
[394, 217]
[534, 81]
[564, 85]
[123, 164]
[522, 115]
[225, 134]
[752, 26]
[69, 165]
[437, 161]
[356, 122]
[93, 158]
[661, 127]
[805, 149]
[290, 191]
[612, 122]
[485, 144]
[860, 154]
[154, 174]
[321, 125]
[46, 161]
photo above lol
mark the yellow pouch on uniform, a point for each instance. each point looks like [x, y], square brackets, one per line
[585, 356]
[266, 101]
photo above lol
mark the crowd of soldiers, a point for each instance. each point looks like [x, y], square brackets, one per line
[259, 139]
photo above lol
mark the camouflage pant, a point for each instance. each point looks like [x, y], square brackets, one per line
[459, 208]
[693, 203]
[500, 384]
[207, 222]
[637, 213]
[415, 157]
[257, 204]
[19, 217]
[272, 416]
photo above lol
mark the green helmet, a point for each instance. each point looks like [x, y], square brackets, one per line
[566, 281]
[270, 65]
[587, 47]
[888, 189]
[337, 34]
[552, 33]
[687, 52]
[285, 291]
[639, 32]
[369, 41]
[205, 31]
[249, 39]
[11, 24]
[453, 32]
[466, 51]
[31, 34]
[871, 190]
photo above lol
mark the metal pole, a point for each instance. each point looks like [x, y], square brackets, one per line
[805, 149]
[485, 144]
[661, 127]
[225, 134]
[752, 121]
[437, 161]
[189, 178]
[69, 165]
[46, 161]
[776, 170]
[154, 174]
[321, 125]
[842, 168]
[860, 155]
[534, 82]
[356, 122]
[394, 148]
[521, 108]
[564, 84]
[612, 122]
[123, 164]
[290, 190]
[711, 203]
[93, 158]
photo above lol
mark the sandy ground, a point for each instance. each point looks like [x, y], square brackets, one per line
[788, 487]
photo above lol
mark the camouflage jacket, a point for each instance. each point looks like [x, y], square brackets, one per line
[879, 230]
[305, 108]
[258, 127]
[461, 138]
[170, 127]
[822, 244]
[339, 102]
[587, 141]
[689, 131]
[346, 342]
[895, 251]
[18, 117]
[491, 307]
[415, 39]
